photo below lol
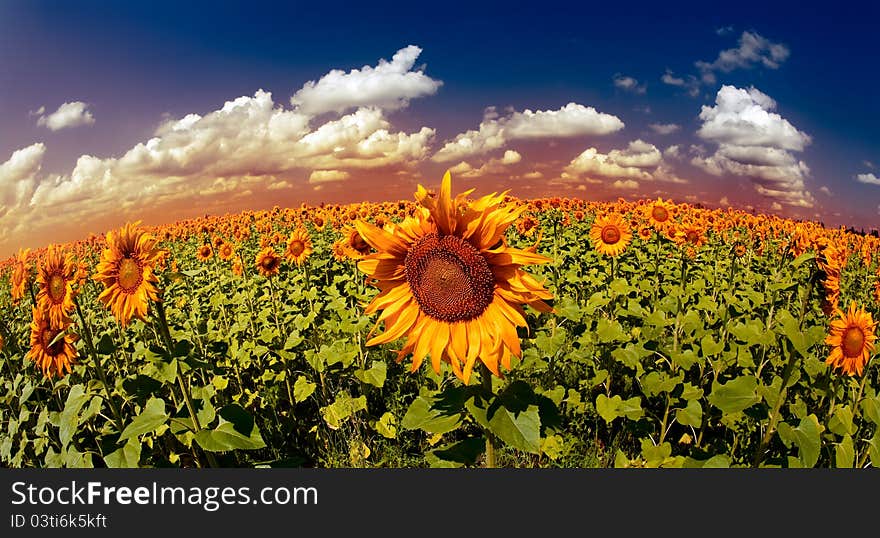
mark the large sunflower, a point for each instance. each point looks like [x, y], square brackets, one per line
[852, 340]
[450, 283]
[610, 234]
[659, 213]
[126, 271]
[54, 354]
[55, 278]
[299, 246]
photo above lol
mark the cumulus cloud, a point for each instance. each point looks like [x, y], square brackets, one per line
[388, 85]
[870, 179]
[327, 176]
[495, 132]
[628, 84]
[625, 184]
[492, 166]
[756, 143]
[753, 49]
[638, 161]
[68, 115]
[691, 84]
[825, 190]
[664, 128]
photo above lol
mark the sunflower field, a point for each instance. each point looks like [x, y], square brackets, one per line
[446, 331]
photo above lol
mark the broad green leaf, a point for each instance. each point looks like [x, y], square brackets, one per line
[421, 416]
[735, 395]
[464, 452]
[151, 417]
[387, 425]
[692, 415]
[844, 453]
[614, 407]
[126, 457]
[341, 409]
[807, 438]
[375, 375]
[303, 388]
[841, 421]
[76, 398]
[225, 437]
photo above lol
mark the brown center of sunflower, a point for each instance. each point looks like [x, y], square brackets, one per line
[57, 288]
[659, 213]
[296, 247]
[48, 347]
[130, 274]
[269, 263]
[853, 342]
[692, 236]
[449, 278]
[610, 234]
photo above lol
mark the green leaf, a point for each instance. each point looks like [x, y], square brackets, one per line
[841, 421]
[387, 425]
[76, 398]
[614, 407]
[844, 453]
[609, 331]
[735, 395]
[303, 388]
[464, 452]
[152, 416]
[710, 347]
[126, 457]
[241, 420]
[807, 438]
[692, 415]
[519, 429]
[375, 375]
[871, 409]
[421, 416]
[341, 409]
[225, 437]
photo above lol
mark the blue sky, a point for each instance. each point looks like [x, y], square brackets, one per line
[133, 67]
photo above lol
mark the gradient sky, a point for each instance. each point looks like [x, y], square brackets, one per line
[115, 111]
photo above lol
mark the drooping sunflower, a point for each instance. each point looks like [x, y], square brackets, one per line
[53, 354]
[299, 246]
[450, 283]
[610, 234]
[356, 247]
[55, 278]
[268, 262]
[20, 274]
[851, 338]
[126, 270]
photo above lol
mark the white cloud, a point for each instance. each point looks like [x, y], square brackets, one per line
[389, 85]
[672, 152]
[493, 166]
[326, 176]
[776, 206]
[869, 164]
[754, 143]
[279, 185]
[495, 132]
[68, 115]
[724, 30]
[825, 190]
[752, 49]
[870, 179]
[625, 184]
[724, 202]
[691, 85]
[628, 84]
[664, 128]
[18, 178]
[638, 161]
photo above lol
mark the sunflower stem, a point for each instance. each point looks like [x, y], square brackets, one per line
[486, 380]
[274, 307]
[90, 347]
[187, 397]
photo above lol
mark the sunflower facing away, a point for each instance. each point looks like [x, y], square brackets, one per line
[852, 340]
[610, 234]
[126, 271]
[55, 278]
[450, 283]
[299, 246]
[53, 354]
[20, 271]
